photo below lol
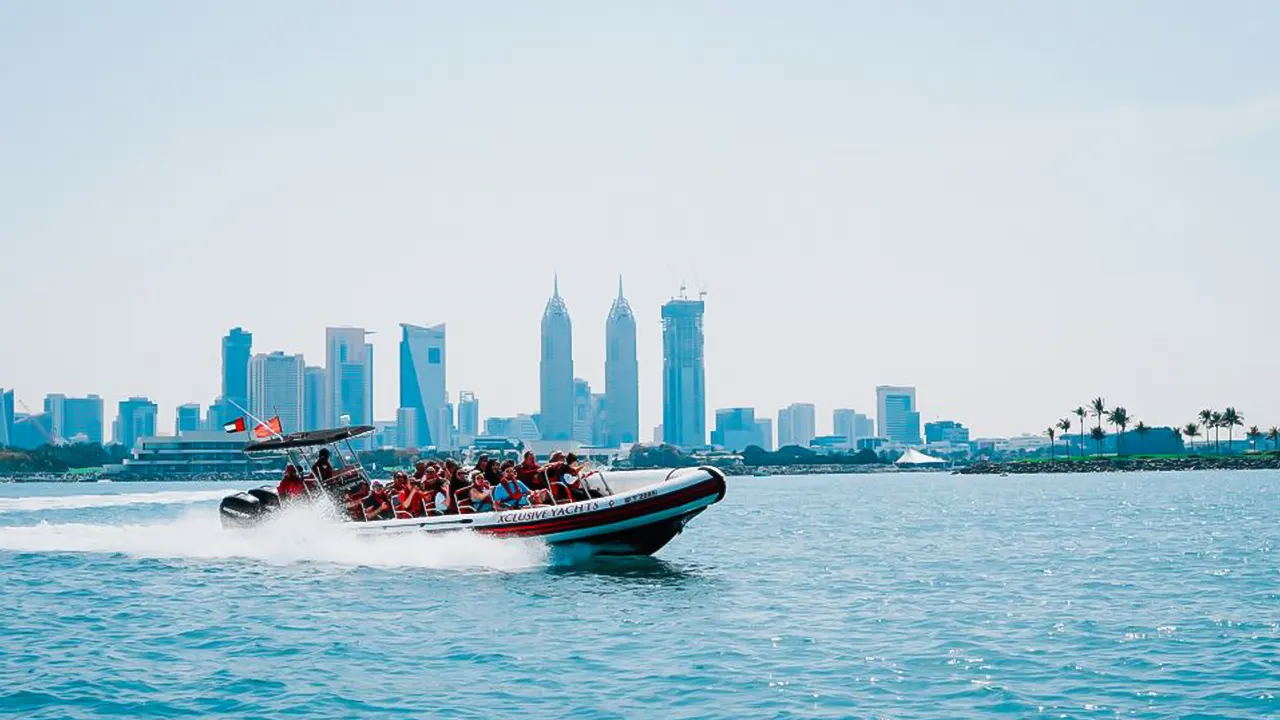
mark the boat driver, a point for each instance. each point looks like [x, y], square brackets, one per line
[322, 467]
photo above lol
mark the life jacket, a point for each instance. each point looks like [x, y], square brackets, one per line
[291, 488]
[513, 498]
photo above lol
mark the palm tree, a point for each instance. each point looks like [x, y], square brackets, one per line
[1274, 436]
[1065, 426]
[1098, 435]
[1141, 429]
[1206, 422]
[1231, 420]
[1081, 413]
[1052, 432]
[1099, 409]
[1254, 433]
[1177, 433]
[1120, 418]
[1215, 421]
[1192, 431]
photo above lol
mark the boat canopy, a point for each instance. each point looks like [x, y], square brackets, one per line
[313, 438]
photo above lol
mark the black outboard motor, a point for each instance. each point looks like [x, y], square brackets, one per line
[249, 508]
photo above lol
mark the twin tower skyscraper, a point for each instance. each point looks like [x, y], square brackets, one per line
[621, 407]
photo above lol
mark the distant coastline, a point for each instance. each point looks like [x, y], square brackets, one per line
[1258, 461]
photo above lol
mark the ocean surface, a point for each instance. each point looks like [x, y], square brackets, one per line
[892, 596]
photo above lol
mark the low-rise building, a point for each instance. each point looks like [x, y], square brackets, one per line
[196, 452]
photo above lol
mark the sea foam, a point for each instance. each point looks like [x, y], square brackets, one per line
[296, 535]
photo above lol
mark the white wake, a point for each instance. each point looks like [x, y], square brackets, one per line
[80, 502]
[298, 535]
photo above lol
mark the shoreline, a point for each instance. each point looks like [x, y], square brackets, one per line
[1260, 461]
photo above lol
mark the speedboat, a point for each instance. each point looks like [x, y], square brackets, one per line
[629, 512]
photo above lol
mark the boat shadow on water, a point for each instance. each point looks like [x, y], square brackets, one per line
[578, 562]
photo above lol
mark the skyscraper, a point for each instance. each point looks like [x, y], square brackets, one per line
[583, 412]
[187, 419]
[237, 346]
[468, 414]
[556, 370]
[796, 424]
[737, 429]
[275, 388]
[764, 431]
[75, 419]
[852, 426]
[313, 398]
[6, 417]
[897, 415]
[621, 374]
[348, 378]
[422, 382]
[136, 418]
[684, 399]
[407, 428]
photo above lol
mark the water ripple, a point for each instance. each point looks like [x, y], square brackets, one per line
[1143, 596]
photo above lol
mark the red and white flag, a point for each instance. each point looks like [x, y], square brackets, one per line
[267, 429]
[234, 426]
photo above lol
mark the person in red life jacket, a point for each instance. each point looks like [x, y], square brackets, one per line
[354, 501]
[377, 505]
[530, 473]
[291, 486]
[408, 499]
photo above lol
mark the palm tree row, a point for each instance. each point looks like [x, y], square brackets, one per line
[1228, 419]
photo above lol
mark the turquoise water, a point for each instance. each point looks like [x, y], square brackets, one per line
[921, 596]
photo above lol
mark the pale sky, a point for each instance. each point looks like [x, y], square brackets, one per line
[1012, 206]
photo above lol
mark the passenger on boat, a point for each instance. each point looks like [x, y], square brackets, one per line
[451, 473]
[529, 472]
[419, 471]
[493, 472]
[354, 499]
[409, 499]
[565, 470]
[481, 493]
[442, 501]
[511, 494]
[291, 486]
[377, 505]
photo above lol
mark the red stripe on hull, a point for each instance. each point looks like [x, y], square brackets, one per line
[621, 513]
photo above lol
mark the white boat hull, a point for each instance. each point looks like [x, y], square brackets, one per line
[643, 512]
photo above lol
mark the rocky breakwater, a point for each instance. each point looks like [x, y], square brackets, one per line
[1261, 461]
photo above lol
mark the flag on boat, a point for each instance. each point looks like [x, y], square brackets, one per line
[268, 428]
[234, 426]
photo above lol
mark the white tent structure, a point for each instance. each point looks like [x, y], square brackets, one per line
[915, 458]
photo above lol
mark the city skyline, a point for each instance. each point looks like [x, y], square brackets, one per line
[987, 202]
